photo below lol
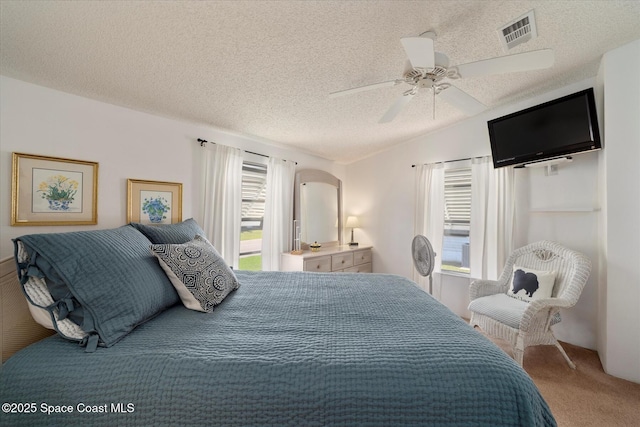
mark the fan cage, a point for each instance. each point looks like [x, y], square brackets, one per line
[423, 255]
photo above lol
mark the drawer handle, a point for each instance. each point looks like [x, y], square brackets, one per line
[342, 261]
[318, 267]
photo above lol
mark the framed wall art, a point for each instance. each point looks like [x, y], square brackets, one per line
[154, 202]
[53, 191]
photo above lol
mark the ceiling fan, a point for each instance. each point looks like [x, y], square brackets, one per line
[428, 69]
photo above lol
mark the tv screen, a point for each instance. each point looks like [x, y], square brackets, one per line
[556, 128]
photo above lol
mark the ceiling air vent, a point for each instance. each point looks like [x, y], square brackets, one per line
[518, 31]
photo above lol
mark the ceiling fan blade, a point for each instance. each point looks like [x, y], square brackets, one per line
[419, 51]
[396, 108]
[534, 60]
[364, 88]
[462, 101]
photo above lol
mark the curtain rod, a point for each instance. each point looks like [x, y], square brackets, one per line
[204, 141]
[456, 160]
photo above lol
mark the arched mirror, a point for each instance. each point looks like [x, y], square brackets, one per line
[318, 207]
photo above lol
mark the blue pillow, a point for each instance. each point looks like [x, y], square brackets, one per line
[179, 233]
[105, 280]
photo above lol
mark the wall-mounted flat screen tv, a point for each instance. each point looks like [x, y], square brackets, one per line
[556, 128]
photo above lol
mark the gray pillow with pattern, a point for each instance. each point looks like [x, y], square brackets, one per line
[198, 272]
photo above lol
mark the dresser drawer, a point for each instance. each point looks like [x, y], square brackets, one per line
[318, 264]
[329, 259]
[362, 257]
[341, 261]
[360, 268]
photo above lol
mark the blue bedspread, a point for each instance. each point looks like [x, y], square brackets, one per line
[285, 349]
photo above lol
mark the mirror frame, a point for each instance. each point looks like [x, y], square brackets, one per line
[316, 175]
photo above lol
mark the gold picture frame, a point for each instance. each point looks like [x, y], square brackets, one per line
[154, 202]
[53, 191]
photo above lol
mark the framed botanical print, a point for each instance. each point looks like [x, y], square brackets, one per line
[53, 191]
[154, 202]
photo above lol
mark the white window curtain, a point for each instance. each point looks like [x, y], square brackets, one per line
[222, 199]
[278, 212]
[492, 218]
[429, 215]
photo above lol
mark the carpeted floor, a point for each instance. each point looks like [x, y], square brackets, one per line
[585, 396]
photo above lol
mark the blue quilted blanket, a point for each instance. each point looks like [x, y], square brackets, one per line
[285, 349]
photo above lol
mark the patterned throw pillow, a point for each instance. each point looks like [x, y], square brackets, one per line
[198, 272]
[530, 285]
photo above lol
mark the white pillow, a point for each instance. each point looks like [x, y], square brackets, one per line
[530, 285]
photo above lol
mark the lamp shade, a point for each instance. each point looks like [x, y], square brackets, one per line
[352, 222]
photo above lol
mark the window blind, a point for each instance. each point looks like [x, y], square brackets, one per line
[457, 196]
[254, 190]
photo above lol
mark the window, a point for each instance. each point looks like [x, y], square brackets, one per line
[254, 188]
[457, 220]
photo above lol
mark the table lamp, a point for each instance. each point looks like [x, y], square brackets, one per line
[352, 222]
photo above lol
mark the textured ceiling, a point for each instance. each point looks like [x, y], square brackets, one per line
[265, 68]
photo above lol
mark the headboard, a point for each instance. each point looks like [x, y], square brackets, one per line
[17, 327]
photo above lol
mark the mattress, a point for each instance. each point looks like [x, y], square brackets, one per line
[285, 349]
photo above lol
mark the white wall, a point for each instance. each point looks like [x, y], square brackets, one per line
[553, 201]
[619, 324]
[126, 143]
[380, 190]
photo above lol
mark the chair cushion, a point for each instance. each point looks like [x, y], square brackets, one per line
[504, 309]
[500, 307]
[530, 285]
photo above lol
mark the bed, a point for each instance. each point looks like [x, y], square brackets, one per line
[279, 349]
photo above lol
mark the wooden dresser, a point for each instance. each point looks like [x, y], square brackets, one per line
[331, 259]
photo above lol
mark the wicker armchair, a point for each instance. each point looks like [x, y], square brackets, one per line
[525, 324]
